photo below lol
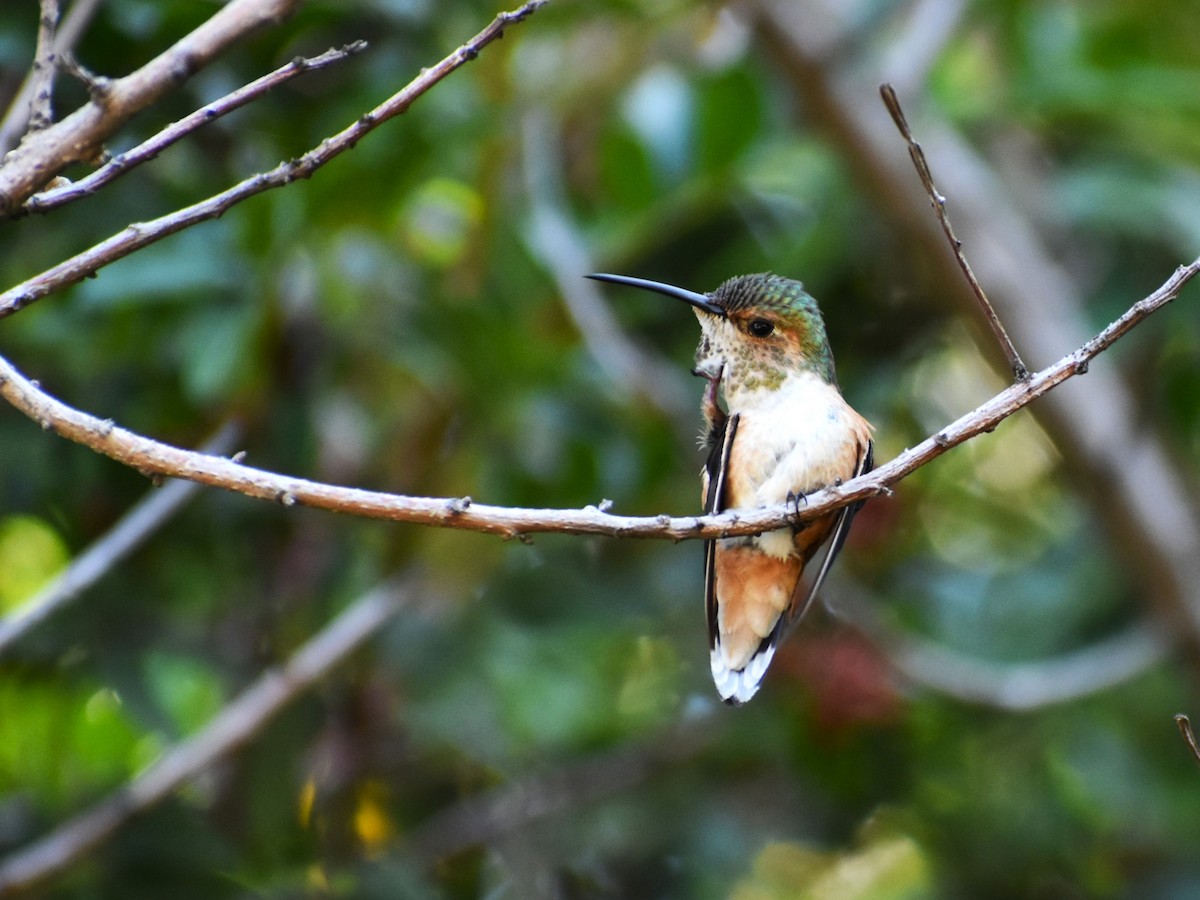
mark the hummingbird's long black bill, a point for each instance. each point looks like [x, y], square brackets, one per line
[700, 301]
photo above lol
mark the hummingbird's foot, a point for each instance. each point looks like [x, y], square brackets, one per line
[797, 501]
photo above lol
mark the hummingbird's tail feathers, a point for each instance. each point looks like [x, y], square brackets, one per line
[751, 593]
[736, 686]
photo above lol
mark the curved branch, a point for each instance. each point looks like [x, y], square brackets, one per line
[43, 154]
[1185, 729]
[228, 730]
[555, 241]
[138, 235]
[149, 149]
[1138, 495]
[1022, 687]
[156, 458]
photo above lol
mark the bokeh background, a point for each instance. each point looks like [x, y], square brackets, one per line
[984, 709]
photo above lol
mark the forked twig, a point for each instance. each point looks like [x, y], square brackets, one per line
[67, 34]
[150, 148]
[140, 234]
[892, 102]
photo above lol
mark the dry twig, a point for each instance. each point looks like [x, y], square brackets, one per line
[80, 136]
[150, 148]
[138, 235]
[41, 110]
[67, 34]
[1185, 728]
[156, 458]
[892, 102]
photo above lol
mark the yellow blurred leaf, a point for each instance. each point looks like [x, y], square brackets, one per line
[31, 553]
[372, 824]
[304, 804]
[892, 868]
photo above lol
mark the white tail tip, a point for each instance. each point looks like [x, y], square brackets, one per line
[736, 686]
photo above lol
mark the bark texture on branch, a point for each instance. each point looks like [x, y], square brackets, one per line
[81, 135]
[141, 234]
[1135, 491]
[156, 458]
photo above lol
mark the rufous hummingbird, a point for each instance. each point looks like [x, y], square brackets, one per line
[786, 432]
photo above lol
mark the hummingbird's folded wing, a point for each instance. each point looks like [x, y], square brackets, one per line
[716, 470]
[866, 462]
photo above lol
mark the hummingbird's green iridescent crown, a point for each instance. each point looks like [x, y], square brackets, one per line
[766, 290]
[787, 298]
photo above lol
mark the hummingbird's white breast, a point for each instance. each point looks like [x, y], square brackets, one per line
[791, 441]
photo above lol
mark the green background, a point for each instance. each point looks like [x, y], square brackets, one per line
[395, 323]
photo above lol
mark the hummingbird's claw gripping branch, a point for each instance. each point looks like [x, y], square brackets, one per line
[796, 501]
[155, 457]
[892, 102]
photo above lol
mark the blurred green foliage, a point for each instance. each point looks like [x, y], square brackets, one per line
[393, 324]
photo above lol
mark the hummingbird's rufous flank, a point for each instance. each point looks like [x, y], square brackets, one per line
[787, 432]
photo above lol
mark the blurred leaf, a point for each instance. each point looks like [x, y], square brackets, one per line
[439, 220]
[886, 869]
[185, 690]
[60, 747]
[31, 554]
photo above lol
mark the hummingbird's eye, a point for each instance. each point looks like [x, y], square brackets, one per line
[761, 328]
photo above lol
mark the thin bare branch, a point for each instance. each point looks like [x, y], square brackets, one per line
[892, 102]
[1136, 491]
[1185, 728]
[150, 148]
[81, 135]
[70, 30]
[156, 458]
[139, 235]
[41, 110]
[97, 560]
[235, 725]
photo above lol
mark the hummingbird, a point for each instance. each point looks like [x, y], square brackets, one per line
[785, 432]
